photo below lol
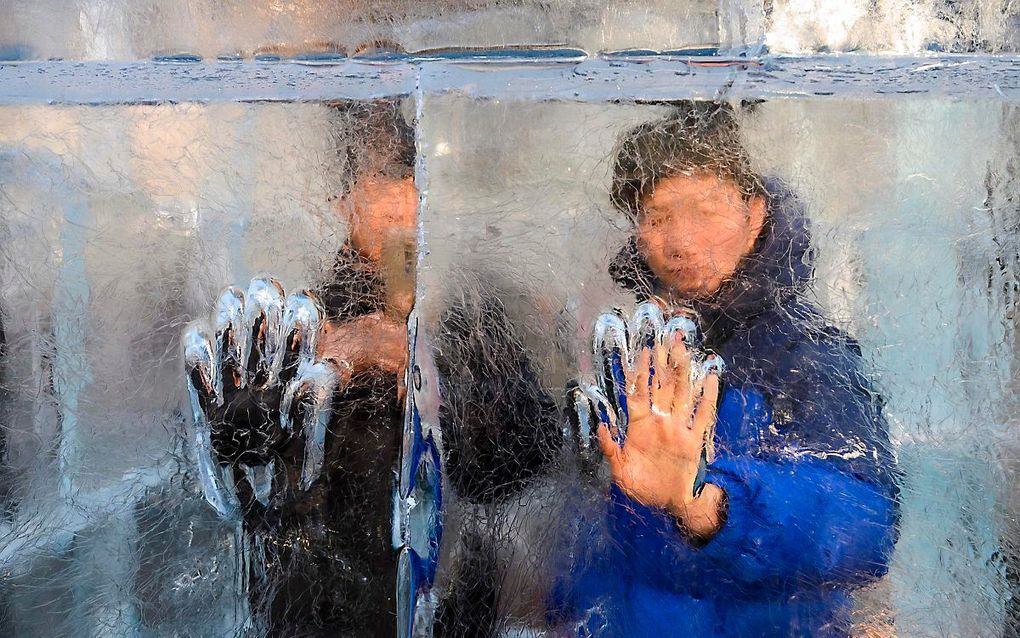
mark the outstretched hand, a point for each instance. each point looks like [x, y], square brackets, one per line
[671, 397]
[261, 397]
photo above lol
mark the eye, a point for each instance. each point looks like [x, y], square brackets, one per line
[657, 221]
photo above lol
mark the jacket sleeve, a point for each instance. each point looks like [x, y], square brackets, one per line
[809, 480]
[500, 427]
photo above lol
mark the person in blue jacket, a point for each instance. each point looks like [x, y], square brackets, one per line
[799, 506]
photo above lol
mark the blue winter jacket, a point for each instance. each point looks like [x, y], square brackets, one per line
[802, 454]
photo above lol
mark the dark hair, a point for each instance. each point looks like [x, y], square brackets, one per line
[374, 138]
[698, 135]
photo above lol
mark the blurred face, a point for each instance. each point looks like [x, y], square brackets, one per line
[382, 212]
[695, 229]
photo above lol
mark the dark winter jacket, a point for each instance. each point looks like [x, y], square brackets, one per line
[331, 560]
[803, 456]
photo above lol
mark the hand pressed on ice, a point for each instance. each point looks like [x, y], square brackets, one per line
[370, 341]
[261, 398]
[671, 412]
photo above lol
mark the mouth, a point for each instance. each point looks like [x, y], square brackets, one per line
[683, 270]
[689, 278]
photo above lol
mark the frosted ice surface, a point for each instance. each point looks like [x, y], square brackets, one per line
[341, 366]
[122, 30]
[103, 30]
[119, 227]
[519, 193]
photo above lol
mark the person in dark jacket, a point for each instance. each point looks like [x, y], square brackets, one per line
[320, 554]
[799, 506]
[324, 561]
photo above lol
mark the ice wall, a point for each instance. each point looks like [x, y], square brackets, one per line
[132, 192]
[870, 172]
[120, 226]
[96, 30]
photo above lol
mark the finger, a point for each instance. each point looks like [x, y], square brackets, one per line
[680, 360]
[610, 450]
[395, 357]
[610, 357]
[311, 375]
[584, 422]
[210, 473]
[605, 414]
[685, 324]
[263, 315]
[697, 383]
[229, 344]
[302, 318]
[708, 404]
[663, 378]
[713, 364]
[647, 320]
[200, 368]
[641, 381]
[307, 403]
[646, 334]
[647, 326]
[198, 361]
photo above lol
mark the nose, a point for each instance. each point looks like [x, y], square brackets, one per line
[676, 242]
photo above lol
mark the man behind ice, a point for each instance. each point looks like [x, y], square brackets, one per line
[325, 563]
[799, 507]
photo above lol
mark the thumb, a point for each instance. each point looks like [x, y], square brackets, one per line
[610, 450]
